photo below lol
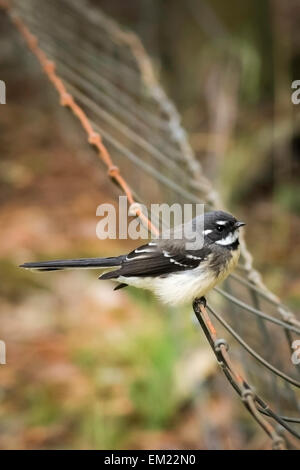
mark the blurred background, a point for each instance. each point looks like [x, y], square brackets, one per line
[91, 368]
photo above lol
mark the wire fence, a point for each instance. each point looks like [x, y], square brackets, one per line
[104, 76]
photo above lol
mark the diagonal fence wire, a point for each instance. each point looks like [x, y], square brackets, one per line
[104, 76]
[254, 404]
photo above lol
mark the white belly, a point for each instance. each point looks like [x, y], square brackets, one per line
[184, 286]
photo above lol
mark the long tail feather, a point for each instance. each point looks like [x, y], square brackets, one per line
[89, 263]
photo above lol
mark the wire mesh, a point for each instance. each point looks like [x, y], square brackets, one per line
[104, 76]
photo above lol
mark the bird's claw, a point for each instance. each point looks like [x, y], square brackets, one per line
[199, 301]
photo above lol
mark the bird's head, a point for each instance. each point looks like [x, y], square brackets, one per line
[221, 228]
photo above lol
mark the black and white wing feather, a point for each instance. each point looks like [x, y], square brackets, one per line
[156, 260]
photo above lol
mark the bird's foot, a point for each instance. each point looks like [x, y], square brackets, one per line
[198, 302]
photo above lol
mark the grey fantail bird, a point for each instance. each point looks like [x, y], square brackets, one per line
[165, 266]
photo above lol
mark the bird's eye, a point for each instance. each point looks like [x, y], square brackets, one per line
[220, 228]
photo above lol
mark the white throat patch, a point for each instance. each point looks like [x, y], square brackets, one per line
[231, 238]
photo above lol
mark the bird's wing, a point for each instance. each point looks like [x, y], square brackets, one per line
[154, 260]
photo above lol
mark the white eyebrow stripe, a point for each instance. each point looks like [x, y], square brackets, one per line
[222, 222]
[231, 238]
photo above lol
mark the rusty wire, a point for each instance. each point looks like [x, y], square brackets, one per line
[165, 156]
[67, 100]
[250, 399]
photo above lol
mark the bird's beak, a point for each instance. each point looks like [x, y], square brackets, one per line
[239, 224]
